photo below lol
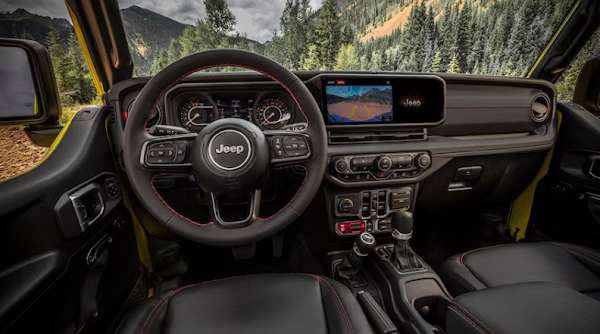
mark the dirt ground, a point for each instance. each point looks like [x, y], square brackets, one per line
[358, 111]
[17, 153]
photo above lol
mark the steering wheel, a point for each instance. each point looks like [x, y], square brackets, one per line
[228, 157]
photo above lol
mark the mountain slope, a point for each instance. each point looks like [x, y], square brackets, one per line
[148, 31]
[38, 26]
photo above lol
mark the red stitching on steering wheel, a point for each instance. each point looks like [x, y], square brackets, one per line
[203, 68]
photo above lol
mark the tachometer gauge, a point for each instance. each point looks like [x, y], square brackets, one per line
[272, 114]
[196, 112]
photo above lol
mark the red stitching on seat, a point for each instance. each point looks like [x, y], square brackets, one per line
[472, 316]
[168, 206]
[467, 320]
[164, 300]
[460, 259]
[337, 300]
[575, 250]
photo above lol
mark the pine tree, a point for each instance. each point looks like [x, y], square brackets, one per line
[437, 62]
[174, 52]
[347, 59]
[160, 61]
[59, 60]
[328, 34]
[311, 60]
[16, 31]
[82, 87]
[219, 16]
[454, 65]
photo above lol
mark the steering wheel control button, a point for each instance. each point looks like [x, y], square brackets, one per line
[229, 150]
[295, 146]
[161, 153]
[181, 150]
[277, 144]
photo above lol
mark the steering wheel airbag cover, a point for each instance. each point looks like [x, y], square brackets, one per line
[141, 178]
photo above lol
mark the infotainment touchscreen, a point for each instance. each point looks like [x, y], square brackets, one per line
[359, 104]
[399, 100]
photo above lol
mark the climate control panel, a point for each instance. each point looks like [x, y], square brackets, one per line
[357, 168]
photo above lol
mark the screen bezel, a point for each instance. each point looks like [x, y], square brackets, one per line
[323, 78]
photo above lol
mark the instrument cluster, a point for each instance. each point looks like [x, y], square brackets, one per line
[268, 110]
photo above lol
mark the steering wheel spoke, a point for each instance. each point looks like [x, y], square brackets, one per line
[250, 204]
[289, 147]
[168, 153]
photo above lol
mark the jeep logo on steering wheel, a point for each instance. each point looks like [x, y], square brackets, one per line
[230, 149]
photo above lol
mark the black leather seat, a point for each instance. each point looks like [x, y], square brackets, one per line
[278, 303]
[573, 266]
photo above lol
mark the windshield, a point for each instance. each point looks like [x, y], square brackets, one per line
[494, 37]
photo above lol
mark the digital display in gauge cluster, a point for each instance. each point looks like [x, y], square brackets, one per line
[239, 105]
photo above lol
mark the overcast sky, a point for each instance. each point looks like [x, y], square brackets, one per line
[257, 18]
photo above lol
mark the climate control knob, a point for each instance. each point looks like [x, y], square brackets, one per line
[423, 160]
[341, 166]
[383, 163]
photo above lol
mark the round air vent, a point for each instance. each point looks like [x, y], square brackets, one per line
[540, 108]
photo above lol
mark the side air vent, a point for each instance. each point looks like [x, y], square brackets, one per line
[540, 108]
[377, 137]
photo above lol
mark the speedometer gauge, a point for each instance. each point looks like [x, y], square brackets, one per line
[196, 112]
[272, 114]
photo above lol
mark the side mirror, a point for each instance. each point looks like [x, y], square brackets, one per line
[28, 91]
[587, 90]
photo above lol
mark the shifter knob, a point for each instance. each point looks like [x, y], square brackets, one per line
[402, 221]
[364, 244]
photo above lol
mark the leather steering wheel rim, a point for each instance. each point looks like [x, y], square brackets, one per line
[141, 177]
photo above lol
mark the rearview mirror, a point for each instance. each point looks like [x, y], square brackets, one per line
[28, 92]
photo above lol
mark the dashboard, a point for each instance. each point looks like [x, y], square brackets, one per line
[454, 141]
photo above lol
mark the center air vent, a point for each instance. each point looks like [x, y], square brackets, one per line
[540, 108]
[377, 137]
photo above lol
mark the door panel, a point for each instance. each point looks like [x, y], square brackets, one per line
[567, 200]
[46, 253]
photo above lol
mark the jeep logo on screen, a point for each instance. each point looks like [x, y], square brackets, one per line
[229, 149]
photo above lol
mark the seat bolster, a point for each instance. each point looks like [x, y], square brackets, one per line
[342, 305]
[136, 320]
[589, 257]
[458, 278]
[523, 308]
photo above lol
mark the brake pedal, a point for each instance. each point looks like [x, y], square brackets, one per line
[243, 252]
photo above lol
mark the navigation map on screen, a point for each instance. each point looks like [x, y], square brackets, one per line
[359, 104]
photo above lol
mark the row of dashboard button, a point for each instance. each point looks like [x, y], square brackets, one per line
[367, 176]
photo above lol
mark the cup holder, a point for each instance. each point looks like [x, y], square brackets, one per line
[433, 310]
[429, 302]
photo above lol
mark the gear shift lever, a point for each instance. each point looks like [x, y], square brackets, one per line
[404, 258]
[350, 265]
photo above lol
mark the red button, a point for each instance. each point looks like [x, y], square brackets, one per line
[351, 227]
